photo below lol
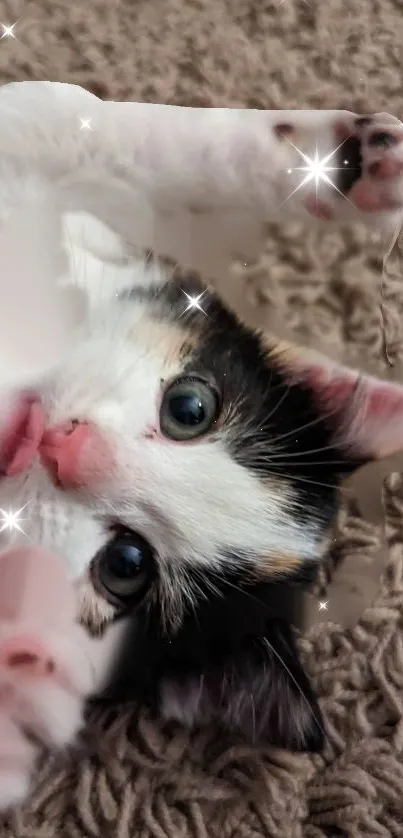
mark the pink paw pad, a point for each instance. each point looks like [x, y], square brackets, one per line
[283, 130]
[318, 208]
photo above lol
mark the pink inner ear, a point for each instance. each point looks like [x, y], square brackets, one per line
[35, 589]
[368, 412]
[381, 431]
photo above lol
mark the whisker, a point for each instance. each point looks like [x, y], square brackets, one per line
[310, 424]
[299, 464]
[241, 590]
[296, 684]
[279, 403]
[302, 453]
[279, 657]
[261, 462]
[206, 583]
[300, 479]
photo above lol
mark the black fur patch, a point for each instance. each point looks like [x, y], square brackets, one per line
[237, 648]
[274, 428]
[237, 642]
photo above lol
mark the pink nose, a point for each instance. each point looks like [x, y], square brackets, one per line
[73, 454]
[61, 452]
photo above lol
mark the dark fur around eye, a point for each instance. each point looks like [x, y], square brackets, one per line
[233, 658]
[264, 411]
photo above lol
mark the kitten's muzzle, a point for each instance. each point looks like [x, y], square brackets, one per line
[74, 454]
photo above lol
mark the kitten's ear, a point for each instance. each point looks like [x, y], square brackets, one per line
[101, 263]
[365, 412]
[260, 692]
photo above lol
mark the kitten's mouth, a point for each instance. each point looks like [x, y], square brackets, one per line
[72, 454]
[22, 437]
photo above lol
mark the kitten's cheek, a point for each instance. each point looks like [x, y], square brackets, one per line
[76, 459]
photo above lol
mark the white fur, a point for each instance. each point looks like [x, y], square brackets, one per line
[157, 163]
[112, 379]
[144, 170]
[187, 501]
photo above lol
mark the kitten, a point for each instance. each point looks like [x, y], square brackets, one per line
[183, 467]
[186, 470]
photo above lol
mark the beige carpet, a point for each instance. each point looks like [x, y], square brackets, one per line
[136, 779]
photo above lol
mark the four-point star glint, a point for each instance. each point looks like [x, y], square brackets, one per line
[316, 169]
[194, 302]
[8, 30]
[11, 520]
[86, 125]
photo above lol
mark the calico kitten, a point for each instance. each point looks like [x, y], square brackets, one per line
[186, 469]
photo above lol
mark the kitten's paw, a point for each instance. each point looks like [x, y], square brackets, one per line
[379, 185]
[42, 691]
[350, 165]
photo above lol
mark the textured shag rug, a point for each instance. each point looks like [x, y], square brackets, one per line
[133, 777]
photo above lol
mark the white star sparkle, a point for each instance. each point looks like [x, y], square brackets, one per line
[194, 302]
[12, 520]
[8, 30]
[86, 125]
[323, 606]
[316, 169]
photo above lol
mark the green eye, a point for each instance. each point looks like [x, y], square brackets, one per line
[189, 409]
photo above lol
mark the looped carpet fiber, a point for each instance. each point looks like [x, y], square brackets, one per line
[132, 777]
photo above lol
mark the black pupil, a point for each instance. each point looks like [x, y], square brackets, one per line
[187, 409]
[125, 560]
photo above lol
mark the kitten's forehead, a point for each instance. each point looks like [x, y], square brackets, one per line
[187, 320]
[170, 339]
[162, 317]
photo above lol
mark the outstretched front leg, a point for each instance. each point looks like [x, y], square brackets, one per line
[352, 168]
[270, 163]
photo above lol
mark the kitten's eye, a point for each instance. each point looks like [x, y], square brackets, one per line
[189, 409]
[125, 566]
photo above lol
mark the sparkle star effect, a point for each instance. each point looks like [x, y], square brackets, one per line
[8, 30]
[12, 520]
[194, 302]
[317, 169]
[323, 606]
[85, 125]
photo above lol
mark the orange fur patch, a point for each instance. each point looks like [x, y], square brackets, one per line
[274, 564]
[170, 340]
